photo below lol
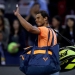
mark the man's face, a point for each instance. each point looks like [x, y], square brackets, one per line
[40, 21]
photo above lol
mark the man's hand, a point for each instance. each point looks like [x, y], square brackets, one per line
[17, 10]
[25, 24]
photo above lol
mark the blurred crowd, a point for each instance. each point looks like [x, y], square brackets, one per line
[12, 31]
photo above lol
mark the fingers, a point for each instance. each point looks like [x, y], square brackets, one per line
[17, 7]
[16, 12]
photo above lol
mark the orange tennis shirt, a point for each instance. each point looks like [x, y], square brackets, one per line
[43, 37]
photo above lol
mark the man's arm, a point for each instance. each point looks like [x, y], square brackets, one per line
[25, 24]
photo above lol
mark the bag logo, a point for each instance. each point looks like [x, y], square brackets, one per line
[45, 59]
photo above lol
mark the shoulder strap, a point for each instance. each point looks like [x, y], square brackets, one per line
[52, 41]
[48, 36]
[66, 39]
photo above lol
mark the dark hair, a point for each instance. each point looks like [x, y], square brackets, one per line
[72, 19]
[44, 14]
[12, 29]
[67, 30]
[58, 18]
[2, 18]
[36, 3]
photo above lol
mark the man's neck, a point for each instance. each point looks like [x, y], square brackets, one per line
[46, 25]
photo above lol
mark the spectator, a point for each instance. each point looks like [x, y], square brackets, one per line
[30, 18]
[17, 34]
[42, 3]
[61, 5]
[2, 12]
[5, 32]
[2, 61]
[69, 31]
[56, 24]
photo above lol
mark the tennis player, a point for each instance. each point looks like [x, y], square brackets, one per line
[42, 30]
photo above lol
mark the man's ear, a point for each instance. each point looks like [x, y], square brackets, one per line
[45, 18]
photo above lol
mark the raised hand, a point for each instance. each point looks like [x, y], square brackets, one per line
[16, 12]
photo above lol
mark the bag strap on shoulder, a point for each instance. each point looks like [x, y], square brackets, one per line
[52, 40]
[66, 39]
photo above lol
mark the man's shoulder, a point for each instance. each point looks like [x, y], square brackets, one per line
[43, 30]
[42, 27]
